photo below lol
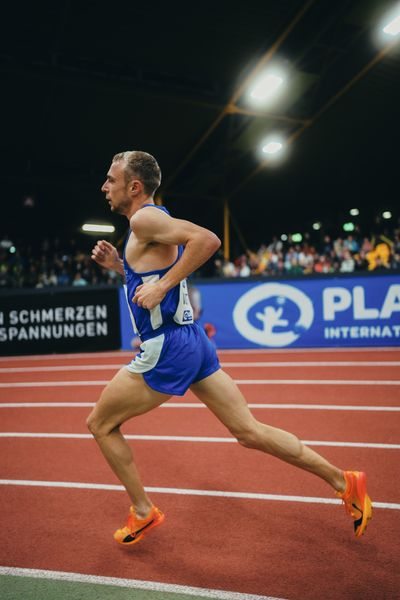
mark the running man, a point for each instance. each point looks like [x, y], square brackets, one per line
[160, 252]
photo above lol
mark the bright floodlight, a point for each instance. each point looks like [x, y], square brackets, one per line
[348, 226]
[272, 147]
[393, 28]
[266, 86]
[317, 226]
[387, 214]
[283, 237]
[94, 228]
[354, 212]
[297, 237]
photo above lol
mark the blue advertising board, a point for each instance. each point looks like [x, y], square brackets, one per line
[298, 313]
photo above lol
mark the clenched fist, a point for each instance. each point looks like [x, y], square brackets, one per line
[106, 255]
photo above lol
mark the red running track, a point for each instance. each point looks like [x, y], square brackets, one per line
[293, 550]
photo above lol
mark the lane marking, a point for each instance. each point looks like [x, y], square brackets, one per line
[47, 404]
[287, 351]
[200, 405]
[336, 350]
[28, 384]
[189, 438]
[272, 364]
[187, 492]
[152, 586]
[92, 355]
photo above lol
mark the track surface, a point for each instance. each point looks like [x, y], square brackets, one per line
[279, 540]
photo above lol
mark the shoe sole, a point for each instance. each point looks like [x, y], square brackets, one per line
[366, 504]
[147, 528]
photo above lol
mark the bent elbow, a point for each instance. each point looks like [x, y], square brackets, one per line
[214, 242]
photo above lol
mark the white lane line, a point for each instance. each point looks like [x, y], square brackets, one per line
[47, 404]
[287, 351]
[50, 369]
[308, 363]
[152, 586]
[91, 355]
[200, 405]
[100, 382]
[188, 438]
[187, 492]
[271, 364]
[317, 381]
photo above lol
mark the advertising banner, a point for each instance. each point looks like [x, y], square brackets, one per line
[60, 320]
[301, 313]
[296, 313]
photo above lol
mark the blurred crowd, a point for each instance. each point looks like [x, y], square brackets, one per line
[57, 263]
[377, 253]
[50, 263]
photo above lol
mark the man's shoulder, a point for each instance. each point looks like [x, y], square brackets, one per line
[149, 214]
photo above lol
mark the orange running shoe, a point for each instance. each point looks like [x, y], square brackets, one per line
[356, 500]
[136, 528]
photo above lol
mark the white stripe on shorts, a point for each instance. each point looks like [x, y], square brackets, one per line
[149, 355]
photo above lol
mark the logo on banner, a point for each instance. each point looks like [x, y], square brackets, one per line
[273, 314]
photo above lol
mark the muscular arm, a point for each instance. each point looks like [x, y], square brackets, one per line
[199, 245]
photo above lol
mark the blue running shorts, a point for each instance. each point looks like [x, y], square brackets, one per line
[172, 361]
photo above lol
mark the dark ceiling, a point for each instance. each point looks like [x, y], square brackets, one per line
[84, 80]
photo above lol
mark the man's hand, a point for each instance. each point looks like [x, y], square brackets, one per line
[148, 295]
[106, 255]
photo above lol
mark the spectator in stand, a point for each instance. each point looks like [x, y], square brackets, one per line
[338, 247]
[351, 244]
[79, 280]
[243, 267]
[381, 252]
[367, 245]
[347, 264]
[380, 266]
[361, 262]
[63, 277]
[327, 245]
[228, 268]
[395, 261]
[296, 268]
[322, 264]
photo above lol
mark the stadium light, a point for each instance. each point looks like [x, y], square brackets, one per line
[387, 214]
[388, 27]
[354, 212]
[96, 228]
[272, 147]
[266, 86]
[393, 27]
[316, 226]
[12, 250]
[348, 226]
[297, 237]
[283, 237]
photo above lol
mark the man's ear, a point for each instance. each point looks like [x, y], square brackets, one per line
[135, 187]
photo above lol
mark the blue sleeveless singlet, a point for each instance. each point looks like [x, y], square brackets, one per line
[175, 351]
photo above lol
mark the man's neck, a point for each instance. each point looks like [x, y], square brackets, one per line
[138, 203]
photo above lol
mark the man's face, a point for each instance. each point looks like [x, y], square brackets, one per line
[116, 188]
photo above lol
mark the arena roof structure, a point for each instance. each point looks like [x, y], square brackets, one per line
[84, 80]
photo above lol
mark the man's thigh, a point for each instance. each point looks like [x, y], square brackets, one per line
[222, 396]
[125, 396]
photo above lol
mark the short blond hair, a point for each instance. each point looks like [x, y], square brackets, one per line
[143, 166]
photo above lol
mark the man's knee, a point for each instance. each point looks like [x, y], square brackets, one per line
[92, 424]
[97, 426]
[249, 437]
